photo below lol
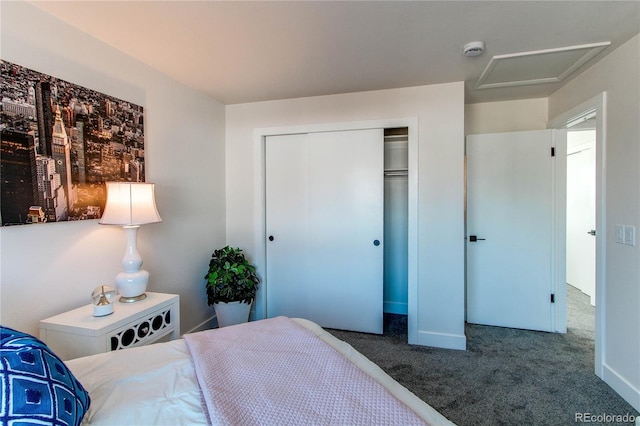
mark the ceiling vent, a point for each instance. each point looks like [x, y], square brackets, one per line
[536, 67]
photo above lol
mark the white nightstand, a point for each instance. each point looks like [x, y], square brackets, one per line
[78, 333]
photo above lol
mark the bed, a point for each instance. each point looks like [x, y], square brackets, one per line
[273, 371]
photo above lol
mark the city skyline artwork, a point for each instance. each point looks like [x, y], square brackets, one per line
[60, 142]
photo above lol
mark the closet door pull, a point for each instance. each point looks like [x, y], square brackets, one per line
[271, 238]
[376, 242]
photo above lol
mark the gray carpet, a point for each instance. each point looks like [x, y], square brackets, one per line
[506, 376]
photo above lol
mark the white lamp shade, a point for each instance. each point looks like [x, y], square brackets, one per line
[130, 203]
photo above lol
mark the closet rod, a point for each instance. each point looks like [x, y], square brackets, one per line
[396, 172]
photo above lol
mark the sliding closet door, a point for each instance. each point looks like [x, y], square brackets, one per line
[324, 216]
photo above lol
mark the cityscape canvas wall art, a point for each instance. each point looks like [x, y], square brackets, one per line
[60, 143]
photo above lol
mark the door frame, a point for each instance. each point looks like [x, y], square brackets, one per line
[596, 104]
[259, 140]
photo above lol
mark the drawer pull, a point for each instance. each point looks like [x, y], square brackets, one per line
[143, 330]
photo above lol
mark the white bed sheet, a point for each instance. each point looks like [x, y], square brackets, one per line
[157, 385]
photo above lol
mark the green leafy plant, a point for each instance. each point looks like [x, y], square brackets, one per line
[230, 278]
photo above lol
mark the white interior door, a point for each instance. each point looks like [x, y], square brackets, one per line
[510, 215]
[581, 211]
[324, 224]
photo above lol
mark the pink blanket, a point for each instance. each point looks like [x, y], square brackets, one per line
[275, 372]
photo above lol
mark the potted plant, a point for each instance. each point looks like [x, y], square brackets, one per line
[231, 285]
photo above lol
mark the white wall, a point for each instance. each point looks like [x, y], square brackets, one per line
[617, 74]
[440, 113]
[47, 269]
[506, 116]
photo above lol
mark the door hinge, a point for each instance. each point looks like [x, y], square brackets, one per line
[553, 298]
[553, 151]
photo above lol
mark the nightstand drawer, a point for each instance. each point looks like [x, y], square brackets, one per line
[147, 329]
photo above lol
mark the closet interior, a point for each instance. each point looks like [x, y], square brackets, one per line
[396, 184]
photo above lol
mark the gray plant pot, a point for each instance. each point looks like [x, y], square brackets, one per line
[232, 313]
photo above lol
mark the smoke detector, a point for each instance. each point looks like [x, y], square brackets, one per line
[473, 48]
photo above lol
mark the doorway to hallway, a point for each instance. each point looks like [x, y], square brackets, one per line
[594, 109]
[581, 218]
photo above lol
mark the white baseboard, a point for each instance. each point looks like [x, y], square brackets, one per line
[211, 322]
[619, 384]
[442, 340]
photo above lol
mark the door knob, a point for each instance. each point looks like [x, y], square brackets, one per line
[271, 238]
[592, 232]
[376, 242]
[473, 238]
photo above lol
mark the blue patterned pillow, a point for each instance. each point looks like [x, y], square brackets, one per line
[37, 387]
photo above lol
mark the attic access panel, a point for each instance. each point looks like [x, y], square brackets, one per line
[536, 67]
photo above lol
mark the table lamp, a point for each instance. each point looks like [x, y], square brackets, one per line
[131, 204]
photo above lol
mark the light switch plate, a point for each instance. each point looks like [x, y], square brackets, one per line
[630, 235]
[620, 234]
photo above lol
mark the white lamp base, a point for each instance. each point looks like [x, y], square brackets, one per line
[132, 282]
[131, 285]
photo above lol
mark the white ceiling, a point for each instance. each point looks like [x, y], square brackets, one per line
[239, 51]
